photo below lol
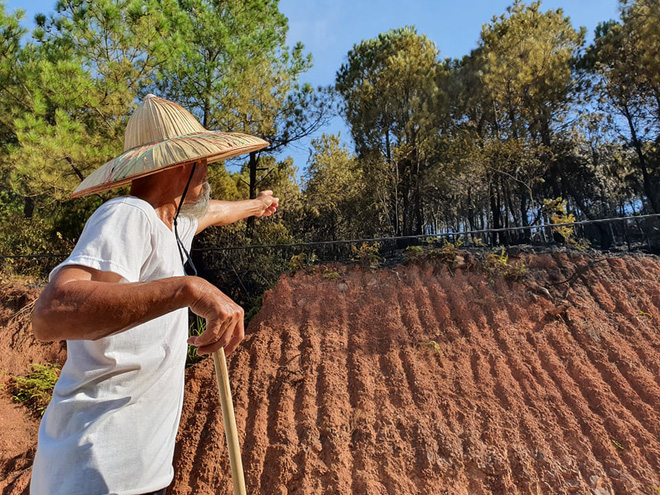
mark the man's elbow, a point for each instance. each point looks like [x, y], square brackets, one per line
[42, 324]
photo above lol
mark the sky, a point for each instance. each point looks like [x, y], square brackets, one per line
[329, 28]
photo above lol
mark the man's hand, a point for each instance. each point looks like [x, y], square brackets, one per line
[267, 204]
[224, 319]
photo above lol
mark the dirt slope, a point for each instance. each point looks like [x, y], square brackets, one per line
[418, 380]
[414, 380]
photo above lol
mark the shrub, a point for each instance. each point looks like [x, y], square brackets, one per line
[36, 390]
[498, 265]
[367, 254]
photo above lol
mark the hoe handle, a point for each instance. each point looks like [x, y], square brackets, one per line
[230, 422]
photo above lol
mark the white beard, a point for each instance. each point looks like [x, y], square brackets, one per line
[198, 209]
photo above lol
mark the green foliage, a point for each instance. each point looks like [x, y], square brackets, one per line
[36, 390]
[497, 265]
[367, 254]
[556, 210]
[392, 104]
[413, 253]
[527, 60]
[329, 273]
[335, 203]
[197, 327]
[431, 346]
[301, 260]
[625, 70]
[448, 252]
[254, 309]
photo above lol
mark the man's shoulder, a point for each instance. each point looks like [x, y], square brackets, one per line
[127, 206]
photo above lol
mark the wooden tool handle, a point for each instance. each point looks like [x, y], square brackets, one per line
[230, 422]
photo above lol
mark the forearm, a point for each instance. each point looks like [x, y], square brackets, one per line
[226, 212]
[86, 309]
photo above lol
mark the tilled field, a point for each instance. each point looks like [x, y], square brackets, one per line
[419, 379]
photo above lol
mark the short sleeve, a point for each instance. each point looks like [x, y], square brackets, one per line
[187, 226]
[116, 238]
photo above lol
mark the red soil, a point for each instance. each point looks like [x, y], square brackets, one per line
[414, 380]
[18, 428]
[422, 380]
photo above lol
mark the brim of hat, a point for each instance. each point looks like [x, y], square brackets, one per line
[152, 158]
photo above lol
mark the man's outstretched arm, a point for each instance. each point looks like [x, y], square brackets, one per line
[82, 303]
[226, 212]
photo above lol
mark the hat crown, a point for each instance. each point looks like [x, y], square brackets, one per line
[157, 119]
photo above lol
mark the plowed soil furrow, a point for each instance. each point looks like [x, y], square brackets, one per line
[629, 383]
[601, 398]
[282, 436]
[332, 401]
[629, 312]
[542, 428]
[305, 410]
[569, 407]
[262, 372]
[538, 358]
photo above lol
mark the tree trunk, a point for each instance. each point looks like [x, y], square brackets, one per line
[648, 187]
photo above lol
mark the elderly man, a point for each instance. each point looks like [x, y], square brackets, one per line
[121, 301]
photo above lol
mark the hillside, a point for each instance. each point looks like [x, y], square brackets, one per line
[421, 379]
[416, 380]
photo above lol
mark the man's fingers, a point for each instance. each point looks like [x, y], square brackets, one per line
[214, 346]
[214, 330]
[228, 334]
[239, 335]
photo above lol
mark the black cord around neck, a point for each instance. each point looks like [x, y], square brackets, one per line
[179, 244]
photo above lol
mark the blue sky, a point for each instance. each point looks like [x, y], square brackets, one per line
[330, 28]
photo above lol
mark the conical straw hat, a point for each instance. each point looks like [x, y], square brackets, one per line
[160, 135]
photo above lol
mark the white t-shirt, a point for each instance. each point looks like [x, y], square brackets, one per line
[112, 423]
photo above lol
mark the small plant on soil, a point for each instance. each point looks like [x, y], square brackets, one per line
[367, 254]
[413, 253]
[197, 327]
[497, 265]
[36, 389]
[448, 253]
[432, 346]
[299, 261]
[617, 445]
[329, 273]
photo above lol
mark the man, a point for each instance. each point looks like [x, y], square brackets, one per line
[121, 301]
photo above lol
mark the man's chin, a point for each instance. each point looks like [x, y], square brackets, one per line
[200, 206]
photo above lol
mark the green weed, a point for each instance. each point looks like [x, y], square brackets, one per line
[556, 208]
[196, 328]
[413, 252]
[448, 252]
[36, 390]
[329, 274]
[302, 260]
[497, 265]
[367, 254]
[432, 346]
